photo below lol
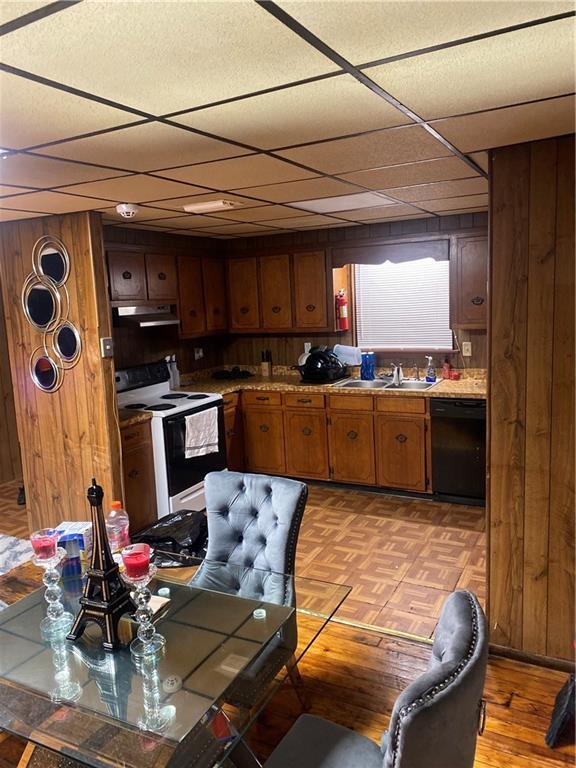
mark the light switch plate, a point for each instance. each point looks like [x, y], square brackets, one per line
[106, 347]
[198, 353]
[466, 349]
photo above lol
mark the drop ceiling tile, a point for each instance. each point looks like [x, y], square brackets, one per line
[146, 148]
[513, 125]
[301, 190]
[481, 159]
[261, 213]
[7, 190]
[239, 229]
[452, 203]
[178, 203]
[239, 172]
[379, 212]
[36, 171]
[132, 189]
[35, 114]
[405, 217]
[145, 213]
[529, 64]
[473, 186]
[14, 215]
[52, 202]
[411, 173]
[343, 202]
[308, 112]
[372, 150]
[192, 221]
[364, 30]
[14, 9]
[162, 59]
[302, 221]
[192, 233]
[483, 209]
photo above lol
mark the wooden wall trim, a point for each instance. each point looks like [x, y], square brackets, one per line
[10, 463]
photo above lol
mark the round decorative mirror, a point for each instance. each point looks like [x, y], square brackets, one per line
[67, 342]
[50, 259]
[45, 373]
[41, 304]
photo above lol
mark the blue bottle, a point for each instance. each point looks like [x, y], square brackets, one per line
[367, 368]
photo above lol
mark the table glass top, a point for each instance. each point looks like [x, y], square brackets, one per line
[100, 707]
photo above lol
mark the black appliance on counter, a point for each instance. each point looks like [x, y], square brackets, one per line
[321, 366]
[459, 450]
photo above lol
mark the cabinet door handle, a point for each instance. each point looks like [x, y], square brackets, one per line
[352, 435]
[244, 310]
[477, 301]
[276, 309]
[127, 275]
[161, 275]
[264, 428]
[133, 474]
[227, 402]
[304, 400]
[310, 307]
[262, 398]
[307, 431]
[401, 438]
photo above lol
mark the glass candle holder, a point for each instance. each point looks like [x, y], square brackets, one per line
[155, 717]
[47, 555]
[138, 572]
[67, 689]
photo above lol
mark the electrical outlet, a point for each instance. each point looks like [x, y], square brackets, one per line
[198, 353]
[466, 349]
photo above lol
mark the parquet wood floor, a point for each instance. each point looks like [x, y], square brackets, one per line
[13, 518]
[401, 556]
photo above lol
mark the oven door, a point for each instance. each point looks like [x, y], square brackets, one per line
[185, 473]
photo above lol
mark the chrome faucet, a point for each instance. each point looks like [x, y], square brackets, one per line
[397, 375]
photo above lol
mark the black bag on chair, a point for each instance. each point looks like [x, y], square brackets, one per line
[177, 540]
[562, 721]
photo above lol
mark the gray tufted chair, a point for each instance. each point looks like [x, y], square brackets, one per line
[253, 526]
[435, 720]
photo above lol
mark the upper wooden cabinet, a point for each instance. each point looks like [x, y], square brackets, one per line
[214, 280]
[310, 295]
[244, 306]
[275, 290]
[469, 278]
[127, 272]
[190, 284]
[161, 277]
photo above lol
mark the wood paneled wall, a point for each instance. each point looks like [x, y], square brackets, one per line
[531, 421]
[69, 436]
[10, 464]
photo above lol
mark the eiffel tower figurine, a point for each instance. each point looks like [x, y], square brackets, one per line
[106, 598]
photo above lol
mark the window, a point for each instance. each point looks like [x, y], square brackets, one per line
[403, 305]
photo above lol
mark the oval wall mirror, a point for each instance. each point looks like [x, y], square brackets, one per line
[45, 374]
[67, 342]
[41, 304]
[50, 259]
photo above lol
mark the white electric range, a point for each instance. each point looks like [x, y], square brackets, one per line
[179, 481]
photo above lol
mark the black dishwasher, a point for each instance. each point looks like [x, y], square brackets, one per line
[459, 450]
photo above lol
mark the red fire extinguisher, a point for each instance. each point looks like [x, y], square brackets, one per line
[342, 323]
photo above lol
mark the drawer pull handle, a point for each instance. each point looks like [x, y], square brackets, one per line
[127, 275]
[401, 438]
[352, 435]
[262, 398]
[264, 428]
[133, 474]
[244, 310]
[304, 400]
[161, 275]
[477, 301]
[276, 309]
[310, 307]
[307, 431]
[227, 402]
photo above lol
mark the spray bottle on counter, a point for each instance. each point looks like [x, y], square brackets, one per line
[430, 370]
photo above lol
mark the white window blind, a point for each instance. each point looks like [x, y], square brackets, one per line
[403, 305]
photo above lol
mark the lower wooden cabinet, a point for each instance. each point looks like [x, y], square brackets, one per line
[264, 440]
[234, 439]
[306, 442]
[352, 448]
[401, 452]
[138, 471]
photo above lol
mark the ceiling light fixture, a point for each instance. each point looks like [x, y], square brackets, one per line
[127, 210]
[210, 206]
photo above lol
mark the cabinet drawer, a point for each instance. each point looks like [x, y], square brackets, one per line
[135, 435]
[304, 401]
[351, 402]
[262, 398]
[231, 399]
[401, 404]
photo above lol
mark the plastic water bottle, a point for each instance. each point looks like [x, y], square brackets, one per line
[117, 527]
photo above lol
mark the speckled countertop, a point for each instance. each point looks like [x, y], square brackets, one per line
[129, 418]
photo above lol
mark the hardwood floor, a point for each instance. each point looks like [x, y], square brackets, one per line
[13, 518]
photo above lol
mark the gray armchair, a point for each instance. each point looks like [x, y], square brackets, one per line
[435, 720]
[253, 526]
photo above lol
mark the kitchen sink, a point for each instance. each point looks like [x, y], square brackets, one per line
[412, 385]
[383, 384]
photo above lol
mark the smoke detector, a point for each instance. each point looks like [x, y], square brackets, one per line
[127, 210]
[210, 206]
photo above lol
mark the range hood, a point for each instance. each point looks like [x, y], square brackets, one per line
[147, 317]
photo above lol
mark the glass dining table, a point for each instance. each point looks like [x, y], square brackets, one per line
[191, 705]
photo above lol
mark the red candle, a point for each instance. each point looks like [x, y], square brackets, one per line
[44, 543]
[136, 559]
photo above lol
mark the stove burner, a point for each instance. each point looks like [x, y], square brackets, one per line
[160, 407]
[135, 406]
[197, 397]
[174, 396]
